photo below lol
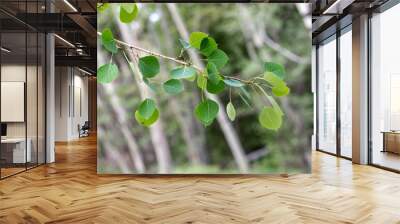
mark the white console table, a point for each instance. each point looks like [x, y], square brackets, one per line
[18, 144]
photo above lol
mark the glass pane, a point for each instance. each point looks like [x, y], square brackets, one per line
[385, 86]
[31, 97]
[41, 99]
[327, 97]
[346, 94]
[14, 153]
[32, 86]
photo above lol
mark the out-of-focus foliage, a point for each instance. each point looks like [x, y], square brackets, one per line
[286, 150]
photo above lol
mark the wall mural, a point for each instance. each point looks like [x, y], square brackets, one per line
[203, 88]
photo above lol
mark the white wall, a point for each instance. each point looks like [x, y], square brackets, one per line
[62, 81]
[71, 94]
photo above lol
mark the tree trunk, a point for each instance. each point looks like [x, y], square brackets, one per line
[158, 138]
[304, 10]
[260, 36]
[196, 153]
[125, 129]
[113, 154]
[249, 26]
[226, 127]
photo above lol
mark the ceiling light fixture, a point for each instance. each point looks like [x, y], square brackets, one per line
[84, 71]
[5, 49]
[70, 5]
[64, 40]
[337, 7]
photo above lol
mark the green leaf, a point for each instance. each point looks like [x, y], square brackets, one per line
[183, 72]
[206, 111]
[274, 104]
[147, 122]
[202, 81]
[107, 73]
[149, 66]
[273, 79]
[147, 108]
[184, 44]
[101, 7]
[233, 82]
[279, 87]
[280, 90]
[219, 58]
[128, 12]
[129, 7]
[215, 88]
[208, 46]
[230, 110]
[173, 86]
[191, 78]
[107, 39]
[212, 72]
[196, 38]
[270, 118]
[275, 68]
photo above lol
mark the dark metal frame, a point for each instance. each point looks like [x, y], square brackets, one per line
[44, 77]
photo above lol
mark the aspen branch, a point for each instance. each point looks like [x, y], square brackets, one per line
[154, 53]
[131, 46]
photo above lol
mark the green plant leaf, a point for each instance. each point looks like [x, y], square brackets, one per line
[149, 66]
[107, 39]
[147, 122]
[196, 38]
[270, 118]
[212, 73]
[208, 46]
[101, 7]
[183, 72]
[128, 12]
[280, 90]
[219, 58]
[274, 104]
[273, 79]
[173, 86]
[230, 110]
[191, 78]
[184, 44]
[147, 108]
[275, 68]
[206, 111]
[107, 73]
[233, 82]
[202, 81]
[279, 87]
[215, 88]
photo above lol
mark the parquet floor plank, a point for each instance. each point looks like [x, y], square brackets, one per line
[70, 191]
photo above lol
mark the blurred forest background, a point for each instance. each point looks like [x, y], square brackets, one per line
[250, 34]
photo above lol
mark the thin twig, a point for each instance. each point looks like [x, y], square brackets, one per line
[154, 53]
[249, 82]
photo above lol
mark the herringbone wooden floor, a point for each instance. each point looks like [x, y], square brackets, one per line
[70, 191]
